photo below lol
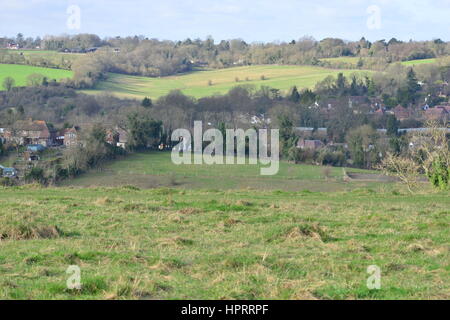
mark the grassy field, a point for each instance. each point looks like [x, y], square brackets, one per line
[21, 72]
[155, 169]
[353, 61]
[222, 232]
[196, 84]
[419, 62]
[241, 244]
[41, 57]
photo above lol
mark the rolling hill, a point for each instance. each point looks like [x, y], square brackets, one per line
[209, 82]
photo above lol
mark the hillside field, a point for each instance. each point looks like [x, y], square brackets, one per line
[196, 83]
[21, 72]
[40, 57]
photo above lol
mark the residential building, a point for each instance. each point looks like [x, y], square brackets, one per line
[310, 144]
[401, 113]
[25, 132]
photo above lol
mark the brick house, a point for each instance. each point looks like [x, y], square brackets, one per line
[437, 113]
[117, 137]
[401, 113]
[71, 137]
[123, 138]
[25, 132]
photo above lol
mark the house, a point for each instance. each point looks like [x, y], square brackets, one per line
[71, 137]
[12, 46]
[26, 132]
[310, 144]
[380, 112]
[446, 107]
[112, 137]
[123, 138]
[117, 137]
[437, 113]
[401, 113]
[359, 104]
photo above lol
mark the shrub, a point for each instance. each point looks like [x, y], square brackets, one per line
[36, 175]
[7, 182]
[439, 174]
[335, 159]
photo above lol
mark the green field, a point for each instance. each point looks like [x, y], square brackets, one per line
[222, 232]
[353, 61]
[42, 58]
[196, 84]
[155, 169]
[21, 72]
[419, 62]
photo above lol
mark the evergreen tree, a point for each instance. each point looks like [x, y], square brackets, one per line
[295, 95]
[412, 85]
[354, 87]
[307, 97]
[341, 82]
[147, 102]
[287, 135]
[392, 126]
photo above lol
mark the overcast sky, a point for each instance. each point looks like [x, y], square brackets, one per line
[251, 20]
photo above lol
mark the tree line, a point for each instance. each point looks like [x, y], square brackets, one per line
[145, 56]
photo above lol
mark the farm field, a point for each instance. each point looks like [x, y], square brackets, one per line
[419, 62]
[21, 72]
[353, 61]
[168, 243]
[196, 83]
[155, 169]
[42, 57]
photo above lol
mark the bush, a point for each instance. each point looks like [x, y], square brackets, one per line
[335, 159]
[439, 175]
[36, 175]
[7, 182]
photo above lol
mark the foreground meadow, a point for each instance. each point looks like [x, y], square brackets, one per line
[180, 244]
[222, 232]
[144, 228]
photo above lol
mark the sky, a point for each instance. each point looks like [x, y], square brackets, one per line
[251, 20]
